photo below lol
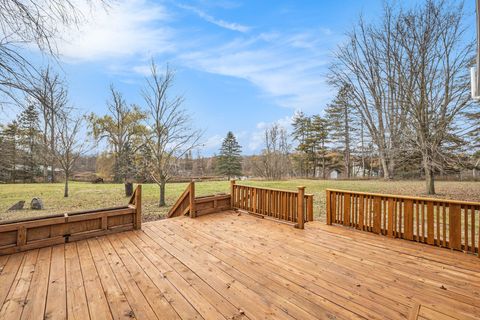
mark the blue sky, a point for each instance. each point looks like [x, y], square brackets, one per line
[241, 65]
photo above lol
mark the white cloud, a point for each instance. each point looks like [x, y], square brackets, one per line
[126, 28]
[221, 23]
[288, 67]
[213, 142]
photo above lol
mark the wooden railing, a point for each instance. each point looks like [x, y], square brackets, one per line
[25, 234]
[188, 204]
[294, 207]
[444, 223]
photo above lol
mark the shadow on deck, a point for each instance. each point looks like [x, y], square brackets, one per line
[235, 266]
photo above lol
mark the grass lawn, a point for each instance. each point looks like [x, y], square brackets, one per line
[85, 196]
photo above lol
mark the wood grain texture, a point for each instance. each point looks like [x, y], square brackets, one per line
[17, 236]
[437, 222]
[235, 266]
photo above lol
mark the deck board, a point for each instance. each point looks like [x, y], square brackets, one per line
[235, 266]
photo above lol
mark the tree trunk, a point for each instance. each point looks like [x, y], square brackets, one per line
[45, 172]
[324, 174]
[128, 189]
[161, 202]
[65, 191]
[385, 169]
[429, 176]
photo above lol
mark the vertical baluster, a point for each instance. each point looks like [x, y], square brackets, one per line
[430, 223]
[361, 212]
[423, 222]
[367, 211]
[401, 219]
[444, 220]
[337, 207]
[377, 214]
[472, 210]
[383, 206]
[455, 226]
[437, 215]
[417, 215]
[465, 227]
[408, 224]
[346, 215]
[478, 242]
[390, 231]
[395, 214]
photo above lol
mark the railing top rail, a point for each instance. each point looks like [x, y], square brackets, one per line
[272, 189]
[386, 195]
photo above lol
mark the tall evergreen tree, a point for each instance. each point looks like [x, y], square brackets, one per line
[29, 137]
[229, 160]
[317, 144]
[339, 115]
[10, 152]
[300, 126]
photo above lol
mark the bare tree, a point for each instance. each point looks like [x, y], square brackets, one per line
[170, 134]
[69, 145]
[122, 129]
[49, 94]
[365, 64]
[275, 156]
[433, 71]
[27, 22]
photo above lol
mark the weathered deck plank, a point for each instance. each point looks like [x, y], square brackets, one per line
[231, 266]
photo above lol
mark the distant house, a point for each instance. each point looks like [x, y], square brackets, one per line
[333, 174]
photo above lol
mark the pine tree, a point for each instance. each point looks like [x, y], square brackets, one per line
[29, 135]
[229, 160]
[300, 126]
[317, 141]
[10, 151]
[340, 119]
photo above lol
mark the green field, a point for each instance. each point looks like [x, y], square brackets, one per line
[89, 196]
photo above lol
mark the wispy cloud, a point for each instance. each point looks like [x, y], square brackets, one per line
[213, 142]
[290, 68]
[287, 66]
[126, 28]
[219, 22]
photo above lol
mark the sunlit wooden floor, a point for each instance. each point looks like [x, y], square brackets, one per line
[234, 266]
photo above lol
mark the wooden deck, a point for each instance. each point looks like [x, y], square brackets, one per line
[235, 266]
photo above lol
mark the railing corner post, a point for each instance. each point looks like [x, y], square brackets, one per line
[300, 207]
[138, 207]
[329, 208]
[232, 193]
[193, 209]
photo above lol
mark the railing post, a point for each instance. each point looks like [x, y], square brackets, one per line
[138, 207]
[300, 207]
[329, 207]
[193, 210]
[232, 193]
